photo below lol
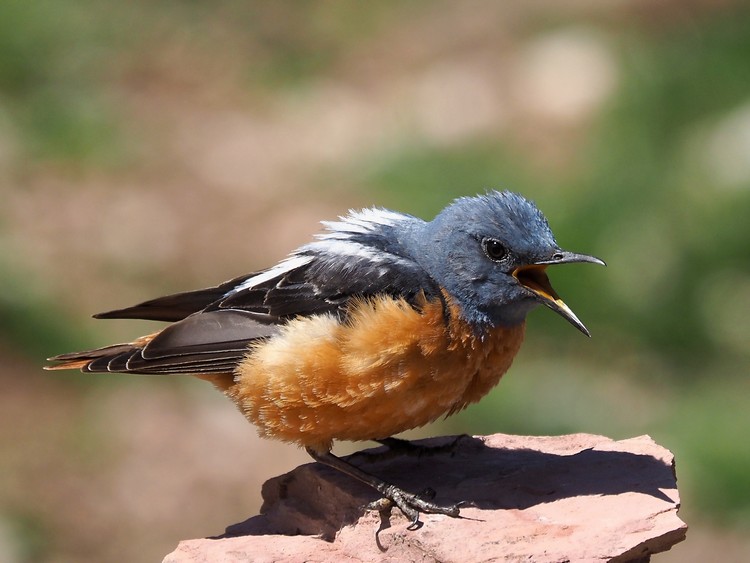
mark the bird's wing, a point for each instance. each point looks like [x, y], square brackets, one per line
[361, 255]
[177, 306]
[364, 254]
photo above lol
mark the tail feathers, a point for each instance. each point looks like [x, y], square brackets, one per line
[129, 358]
[83, 360]
[214, 342]
[117, 359]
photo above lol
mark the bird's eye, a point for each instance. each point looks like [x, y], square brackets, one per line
[494, 249]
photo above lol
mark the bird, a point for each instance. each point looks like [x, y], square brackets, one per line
[384, 322]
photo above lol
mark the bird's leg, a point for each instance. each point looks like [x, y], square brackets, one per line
[409, 503]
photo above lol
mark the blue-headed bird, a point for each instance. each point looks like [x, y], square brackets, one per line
[383, 323]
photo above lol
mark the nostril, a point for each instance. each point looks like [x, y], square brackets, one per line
[557, 256]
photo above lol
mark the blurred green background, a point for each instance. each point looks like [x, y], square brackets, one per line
[148, 147]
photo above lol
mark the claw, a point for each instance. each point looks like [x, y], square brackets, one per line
[412, 505]
[415, 523]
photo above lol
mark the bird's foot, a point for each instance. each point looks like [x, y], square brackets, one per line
[412, 504]
[408, 503]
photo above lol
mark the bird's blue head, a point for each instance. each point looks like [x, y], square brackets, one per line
[490, 253]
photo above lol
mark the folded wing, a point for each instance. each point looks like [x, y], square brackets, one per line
[212, 328]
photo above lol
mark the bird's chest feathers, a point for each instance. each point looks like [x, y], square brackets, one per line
[387, 369]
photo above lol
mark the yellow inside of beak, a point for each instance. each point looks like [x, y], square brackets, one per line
[534, 278]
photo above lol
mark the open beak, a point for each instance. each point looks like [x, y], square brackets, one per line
[534, 278]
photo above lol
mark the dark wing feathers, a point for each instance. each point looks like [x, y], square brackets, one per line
[208, 333]
[209, 342]
[175, 307]
[214, 326]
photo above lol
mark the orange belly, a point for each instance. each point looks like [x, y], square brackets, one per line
[389, 368]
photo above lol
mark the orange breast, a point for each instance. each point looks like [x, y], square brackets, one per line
[388, 369]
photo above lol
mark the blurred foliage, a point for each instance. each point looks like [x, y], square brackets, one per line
[656, 191]
[644, 172]
[32, 536]
[56, 57]
[421, 179]
[50, 53]
[31, 321]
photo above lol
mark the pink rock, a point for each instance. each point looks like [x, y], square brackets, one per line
[543, 499]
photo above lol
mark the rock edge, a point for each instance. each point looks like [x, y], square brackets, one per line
[577, 497]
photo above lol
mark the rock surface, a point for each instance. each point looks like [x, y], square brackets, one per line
[564, 498]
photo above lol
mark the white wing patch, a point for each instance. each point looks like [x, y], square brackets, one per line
[361, 222]
[344, 247]
[338, 240]
[286, 265]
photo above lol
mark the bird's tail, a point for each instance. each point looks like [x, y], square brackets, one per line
[100, 360]
[113, 359]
